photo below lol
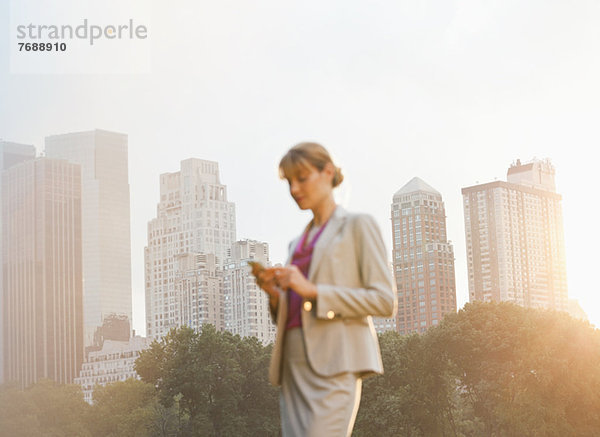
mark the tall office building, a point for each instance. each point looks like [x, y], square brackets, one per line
[198, 294]
[247, 306]
[10, 154]
[514, 236]
[105, 223]
[193, 216]
[42, 271]
[14, 153]
[423, 257]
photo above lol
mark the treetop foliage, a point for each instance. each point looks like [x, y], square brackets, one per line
[492, 369]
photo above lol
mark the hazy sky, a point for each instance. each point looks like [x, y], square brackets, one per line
[450, 91]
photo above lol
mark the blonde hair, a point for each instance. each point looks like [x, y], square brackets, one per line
[303, 155]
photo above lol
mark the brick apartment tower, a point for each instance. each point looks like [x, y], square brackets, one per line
[423, 258]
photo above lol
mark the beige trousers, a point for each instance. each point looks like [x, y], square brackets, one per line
[312, 405]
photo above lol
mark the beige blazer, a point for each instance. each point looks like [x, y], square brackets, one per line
[349, 268]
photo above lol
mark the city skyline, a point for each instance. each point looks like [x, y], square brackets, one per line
[189, 285]
[211, 167]
[452, 92]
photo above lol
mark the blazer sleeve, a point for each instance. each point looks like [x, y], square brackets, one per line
[272, 310]
[377, 296]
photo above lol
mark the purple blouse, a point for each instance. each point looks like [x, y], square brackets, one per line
[301, 258]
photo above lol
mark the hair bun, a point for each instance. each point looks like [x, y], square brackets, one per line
[338, 177]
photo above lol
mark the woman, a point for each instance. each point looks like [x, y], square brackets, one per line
[335, 278]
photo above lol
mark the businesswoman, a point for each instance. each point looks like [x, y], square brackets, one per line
[335, 279]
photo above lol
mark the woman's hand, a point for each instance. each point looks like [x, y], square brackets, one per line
[265, 279]
[291, 277]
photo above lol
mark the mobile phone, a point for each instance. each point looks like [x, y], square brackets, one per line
[256, 267]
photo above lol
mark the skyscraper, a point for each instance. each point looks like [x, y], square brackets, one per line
[10, 154]
[42, 274]
[423, 257]
[105, 223]
[515, 241]
[198, 294]
[14, 153]
[246, 305]
[193, 217]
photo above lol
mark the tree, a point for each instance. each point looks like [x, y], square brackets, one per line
[415, 395]
[493, 369]
[259, 401]
[525, 372]
[45, 409]
[18, 414]
[218, 379]
[124, 409]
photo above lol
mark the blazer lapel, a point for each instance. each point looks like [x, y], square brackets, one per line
[294, 243]
[292, 248]
[335, 223]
